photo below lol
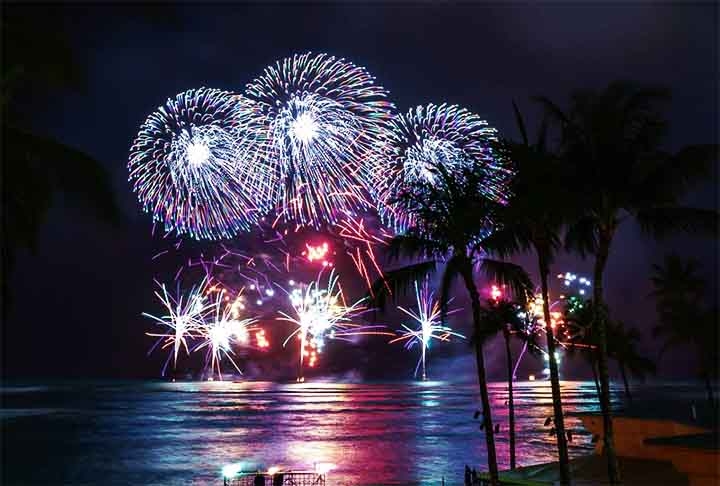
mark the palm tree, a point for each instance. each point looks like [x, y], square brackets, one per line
[504, 316]
[532, 222]
[579, 321]
[678, 287]
[684, 319]
[622, 347]
[610, 143]
[451, 220]
[35, 168]
[39, 63]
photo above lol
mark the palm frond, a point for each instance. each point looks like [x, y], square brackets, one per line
[520, 124]
[452, 270]
[551, 109]
[660, 222]
[541, 144]
[668, 177]
[397, 282]
[82, 179]
[509, 274]
[641, 366]
[581, 236]
[409, 246]
[507, 240]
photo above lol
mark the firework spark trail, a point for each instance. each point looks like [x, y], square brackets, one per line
[428, 316]
[249, 268]
[321, 314]
[194, 164]
[353, 230]
[428, 136]
[220, 332]
[325, 120]
[204, 318]
[158, 255]
[576, 288]
[183, 318]
[351, 235]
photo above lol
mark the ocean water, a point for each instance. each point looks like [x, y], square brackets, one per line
[115, 433]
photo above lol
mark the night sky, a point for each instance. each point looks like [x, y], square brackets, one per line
[78, 299]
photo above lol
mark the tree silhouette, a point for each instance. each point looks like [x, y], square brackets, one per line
[611, 148]
[622, 347]
[451, 222]
[503, 316]
[532, 221]
[685, 319]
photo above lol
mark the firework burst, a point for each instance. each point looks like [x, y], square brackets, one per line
[429, 136]
[182, 321]
[194, 164]
[325, 123]
[204, 319]
[570, 301]
[428, 325]
[222, 331]
[320, 314]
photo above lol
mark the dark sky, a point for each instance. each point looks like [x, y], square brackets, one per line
[78, 299]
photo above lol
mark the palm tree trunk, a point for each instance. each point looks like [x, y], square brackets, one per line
[709, 390]
[600, 326]
[511, 400]
[625, 381]
[593, 365]
[482, 379]
[559, 420]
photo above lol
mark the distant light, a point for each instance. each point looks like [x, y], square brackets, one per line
[259, 302]
[531, 377]
[324, 467]
[232, 470]
[582, 291]
[271, 471]
[567, 282]
[269, 292]
[252, 286]
[291, 282]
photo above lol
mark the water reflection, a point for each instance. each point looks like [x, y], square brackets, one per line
[172, 433]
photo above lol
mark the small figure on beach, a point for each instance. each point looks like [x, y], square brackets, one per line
[259, 480]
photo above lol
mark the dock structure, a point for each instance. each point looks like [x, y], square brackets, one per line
[279, 478]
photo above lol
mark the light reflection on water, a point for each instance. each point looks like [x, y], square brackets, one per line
[175, 433]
